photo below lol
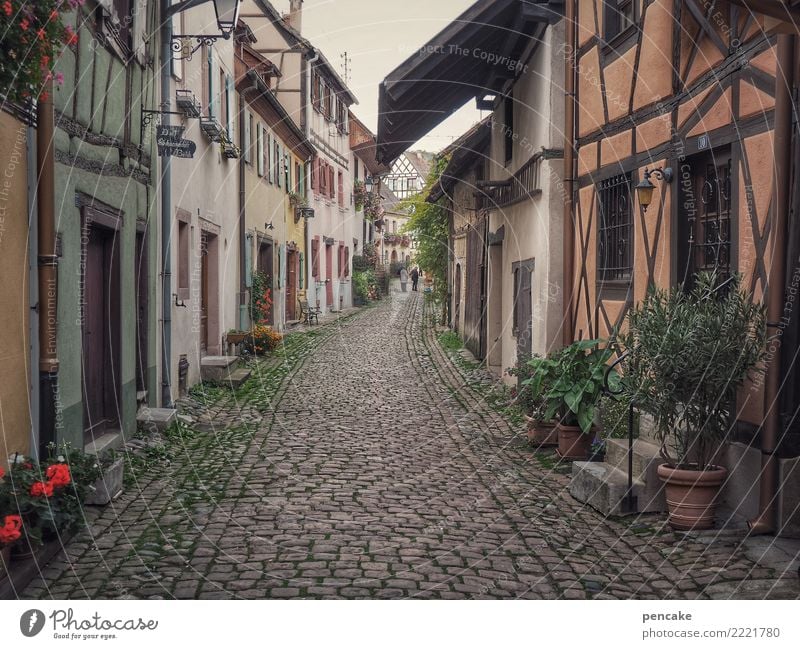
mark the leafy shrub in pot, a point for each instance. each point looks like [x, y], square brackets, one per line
[580, 371]
[690, 351]
[535, 376]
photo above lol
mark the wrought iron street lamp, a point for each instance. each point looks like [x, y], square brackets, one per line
[369, 184]
[644, 190]
[227, 12]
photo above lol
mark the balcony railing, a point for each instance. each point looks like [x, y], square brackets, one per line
[523, 185]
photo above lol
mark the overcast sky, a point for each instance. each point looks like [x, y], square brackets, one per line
[378, 36]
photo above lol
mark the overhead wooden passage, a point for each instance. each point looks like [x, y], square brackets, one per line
[472, 57]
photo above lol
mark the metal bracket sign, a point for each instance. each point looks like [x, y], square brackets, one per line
[169, 139]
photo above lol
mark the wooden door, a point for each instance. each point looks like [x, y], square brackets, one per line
[100, 332]
[523, 307]
[329, 275]
[474, 304]
[141, 276]
[204, 291]
[291, 284]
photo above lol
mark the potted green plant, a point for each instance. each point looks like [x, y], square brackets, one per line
[580, 371]
[689, 352]
[535, 376]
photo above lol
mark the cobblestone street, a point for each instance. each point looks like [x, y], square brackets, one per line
[364, 462]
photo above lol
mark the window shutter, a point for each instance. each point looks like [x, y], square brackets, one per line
[301, 179]
[260, 148]
[341, 189]
[315, 175]
[229, 105]
[301, 273]
[247, 135]
[213, 110]
[278, 165]
[315, 257]
[281, 265]
[331, 182]
[248, 262]
[265, 155]
[347, 261]
[289, 175]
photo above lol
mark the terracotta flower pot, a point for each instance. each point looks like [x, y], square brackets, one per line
[542, 433]
[691, 496]
[574, 444]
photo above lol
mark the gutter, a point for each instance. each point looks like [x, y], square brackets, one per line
[48, 272]
[767, 520]
[570, 29]
[166, 212]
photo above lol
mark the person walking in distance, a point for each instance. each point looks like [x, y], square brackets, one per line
[403, 278]
[414, 278]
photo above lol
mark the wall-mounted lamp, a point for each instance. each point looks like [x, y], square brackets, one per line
[269, 226]
[227, 16]
[644, 190]
[369, 184]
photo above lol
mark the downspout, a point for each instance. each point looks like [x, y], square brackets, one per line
[767, 520]
[306, 126]
[244, 322]
[166, 212]
[48, 271]
[568, 244]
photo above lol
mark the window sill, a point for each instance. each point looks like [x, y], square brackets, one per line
[620, 289]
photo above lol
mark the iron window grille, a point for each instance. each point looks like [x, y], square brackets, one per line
[615, 230]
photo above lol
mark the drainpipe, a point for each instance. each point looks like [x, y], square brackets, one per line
[166, 212]
[570, 28]
[306, 126]
[243, 305]
[767, 520]
[48, 272]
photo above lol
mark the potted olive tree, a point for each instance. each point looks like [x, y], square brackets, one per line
[689, 352]
[580, 375]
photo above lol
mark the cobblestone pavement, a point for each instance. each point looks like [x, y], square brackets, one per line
[365, 463]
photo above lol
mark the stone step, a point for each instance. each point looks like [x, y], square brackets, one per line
[603, 487]
[156, 418]
[215, 369]
[646, 458]
[237, 377]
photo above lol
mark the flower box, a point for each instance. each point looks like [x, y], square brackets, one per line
[109, 485]
[212, 128]
[188, 103]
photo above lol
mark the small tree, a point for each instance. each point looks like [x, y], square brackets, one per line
[689, 354]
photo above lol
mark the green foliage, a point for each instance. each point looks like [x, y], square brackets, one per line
[450, 341]
[260, 299]
[689, 354]
[429, 226]
[613, 413]
[535, 378]
[579, 372]
[361, 263]
[362, 281]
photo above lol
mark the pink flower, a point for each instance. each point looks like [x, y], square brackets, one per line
[60, 78]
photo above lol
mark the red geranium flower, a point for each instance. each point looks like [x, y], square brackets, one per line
[11, 530]
[24, 24]
[39, 489]
[2, 473]
[7, 8]
[58, 475]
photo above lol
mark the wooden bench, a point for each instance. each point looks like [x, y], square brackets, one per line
[309, 313]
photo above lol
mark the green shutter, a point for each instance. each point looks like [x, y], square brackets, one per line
[247, 135]
[301, 274]
[248, 261]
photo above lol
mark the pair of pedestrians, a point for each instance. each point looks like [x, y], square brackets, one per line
[404, 278]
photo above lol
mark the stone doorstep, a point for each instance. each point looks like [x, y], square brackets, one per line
[111, 440]
[237, 377]
[216, 368]
[646, 458]
[160, 418]
[603, 487]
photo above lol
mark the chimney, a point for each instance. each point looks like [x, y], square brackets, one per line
[295, 17]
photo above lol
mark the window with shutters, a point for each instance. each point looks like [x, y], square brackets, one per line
[328, 103]
[248, 137]
[315, 90]
[341, 189]
[298, 187]
[347, 261]
[331, 181]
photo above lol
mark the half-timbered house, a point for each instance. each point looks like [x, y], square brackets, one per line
[687, 90]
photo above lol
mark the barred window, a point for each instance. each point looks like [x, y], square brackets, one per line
[615, 229]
